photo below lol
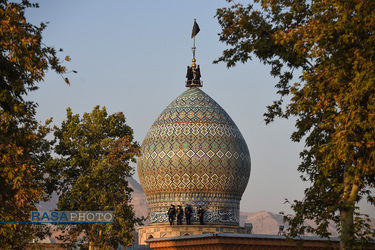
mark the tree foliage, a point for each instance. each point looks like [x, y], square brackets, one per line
[92, 174]
[24, 151]
[328, 46]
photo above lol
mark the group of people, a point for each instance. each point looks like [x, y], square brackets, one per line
[179, 212]
[193, 75]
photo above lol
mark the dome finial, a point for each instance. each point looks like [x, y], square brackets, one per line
[193, 74]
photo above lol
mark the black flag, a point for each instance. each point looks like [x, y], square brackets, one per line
[196, 29]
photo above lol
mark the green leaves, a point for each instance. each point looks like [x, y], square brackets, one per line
[24, 149]
[93, 167]
[24, 57]
[331, 43]
[24, 152]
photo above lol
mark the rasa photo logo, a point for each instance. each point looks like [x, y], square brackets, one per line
[72, 217]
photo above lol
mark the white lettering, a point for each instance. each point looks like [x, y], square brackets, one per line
[73, 216]
[99, 216]
[81, 216]
[90, 214]
[110, 216]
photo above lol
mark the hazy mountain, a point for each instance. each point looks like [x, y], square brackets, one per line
[268, 223]
[139, 200]
[263, 222]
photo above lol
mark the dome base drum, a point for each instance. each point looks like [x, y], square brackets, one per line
[220, 209]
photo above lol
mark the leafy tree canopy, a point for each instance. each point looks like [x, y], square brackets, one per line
[332, 43]
[24, 151]
[92, 174]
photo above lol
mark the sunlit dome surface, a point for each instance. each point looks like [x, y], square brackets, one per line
[194, 154]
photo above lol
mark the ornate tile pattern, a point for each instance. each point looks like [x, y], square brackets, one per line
[194, 148]
[219, 208]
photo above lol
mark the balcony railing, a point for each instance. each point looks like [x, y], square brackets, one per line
[194, 83]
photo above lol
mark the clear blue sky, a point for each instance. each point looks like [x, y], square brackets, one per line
[131, 56]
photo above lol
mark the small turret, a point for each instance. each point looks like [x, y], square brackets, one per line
[193, 76]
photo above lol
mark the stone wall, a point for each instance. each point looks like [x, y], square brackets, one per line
[228, 241]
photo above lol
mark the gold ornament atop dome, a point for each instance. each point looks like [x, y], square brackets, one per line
[193, 65]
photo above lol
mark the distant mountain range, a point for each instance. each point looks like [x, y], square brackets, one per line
[268, 223]
[139, 200]
[263, 222]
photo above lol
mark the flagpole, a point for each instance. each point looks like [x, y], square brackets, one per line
[194, 48]
[194, 42]
[193, 64]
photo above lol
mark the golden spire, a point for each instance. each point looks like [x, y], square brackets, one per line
[194, 72]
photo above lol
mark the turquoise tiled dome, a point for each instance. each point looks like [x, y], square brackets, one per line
[194, 154]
